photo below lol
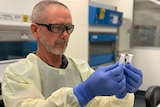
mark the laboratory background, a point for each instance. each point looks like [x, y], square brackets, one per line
[121, 27]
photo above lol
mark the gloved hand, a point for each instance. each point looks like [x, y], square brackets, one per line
[134, 78]
[122, 94]
[105, 81]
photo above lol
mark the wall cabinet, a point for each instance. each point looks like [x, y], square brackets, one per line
[103, 33]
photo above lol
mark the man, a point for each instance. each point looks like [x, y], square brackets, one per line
[48, 78]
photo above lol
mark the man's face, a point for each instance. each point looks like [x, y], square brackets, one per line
[56, 42]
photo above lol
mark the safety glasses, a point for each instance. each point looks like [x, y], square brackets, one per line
[58, 28]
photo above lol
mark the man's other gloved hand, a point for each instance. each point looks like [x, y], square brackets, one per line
[122, 94]
[134, 78]
[105, 81]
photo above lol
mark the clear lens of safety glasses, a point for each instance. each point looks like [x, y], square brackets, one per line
[58, 28]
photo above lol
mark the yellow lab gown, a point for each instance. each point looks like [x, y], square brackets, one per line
[32, 83]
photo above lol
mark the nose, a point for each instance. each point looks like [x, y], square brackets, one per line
[65, 34]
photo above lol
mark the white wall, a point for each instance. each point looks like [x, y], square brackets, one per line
[17, 6]
[78, 44]
[148, 59]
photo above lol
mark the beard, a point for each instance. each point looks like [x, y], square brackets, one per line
[58, 47]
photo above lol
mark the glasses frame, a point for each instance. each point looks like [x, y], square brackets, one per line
[66, 27]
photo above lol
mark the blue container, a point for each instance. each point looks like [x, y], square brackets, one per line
[16, 49]
[102, 37]
[29, 47]
[103, 16]
[101, 59]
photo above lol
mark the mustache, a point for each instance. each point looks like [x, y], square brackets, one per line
[61, 41]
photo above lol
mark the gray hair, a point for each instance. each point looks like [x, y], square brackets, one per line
[39, 10]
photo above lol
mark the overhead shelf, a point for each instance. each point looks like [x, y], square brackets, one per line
[102, 29]
[12, 21]
[11, 25]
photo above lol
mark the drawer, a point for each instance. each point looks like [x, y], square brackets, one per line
[101, 59]
[102, 37]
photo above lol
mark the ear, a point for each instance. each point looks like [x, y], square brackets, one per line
[34, 29]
